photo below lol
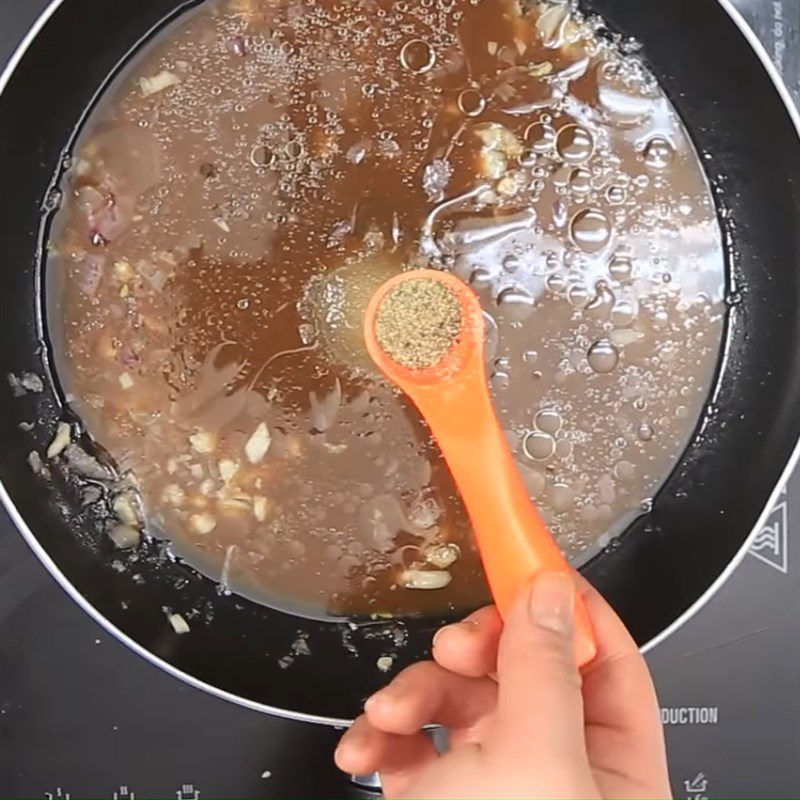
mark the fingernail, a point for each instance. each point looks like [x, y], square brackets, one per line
[349, 744]
[370, 701]
[551, 601]
[388, 694]
[438, 635]
[466, 626]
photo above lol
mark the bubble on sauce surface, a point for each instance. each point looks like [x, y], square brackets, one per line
[556, 283]
[515, 304]
[538, 446]
[578, 295]
[603, 357]
[511, 263]
[574, 144]
[417, 56]
[471, 102]
[659, 154]
[645, 432]
[591, 230]
[580, 181]
[562, 497]
[623, 313]
[541, 137]
[620, 268]
[548, 421]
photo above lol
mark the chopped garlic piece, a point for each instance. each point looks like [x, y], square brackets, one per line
[497, 137]
[260, 508]
[235, 505]
[493, 164]
[123, 271]
[220, 223]
[258, 444]
[123, 508]
[203, 441]
[227, 469]
[125, 380]
[179, 624]
[442, 555]
[206, 487]
[173, 494]
[510, 184]
[425, 579]
[125, 537]
[540, 69]
[385, 663]
[203, 523]
[196, 471]
[488, 197]
[60, 440]
[163, 80]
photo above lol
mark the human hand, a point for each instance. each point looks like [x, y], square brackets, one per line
[523, 721]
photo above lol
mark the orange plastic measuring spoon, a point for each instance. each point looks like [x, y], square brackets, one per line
[453, 397]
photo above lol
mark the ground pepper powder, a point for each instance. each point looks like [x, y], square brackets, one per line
[418, 322]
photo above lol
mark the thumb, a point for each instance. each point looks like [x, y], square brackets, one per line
[540, 702]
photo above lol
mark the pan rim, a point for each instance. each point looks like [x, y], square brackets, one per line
[44, 557]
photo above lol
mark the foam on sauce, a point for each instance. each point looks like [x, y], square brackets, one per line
[262, 166]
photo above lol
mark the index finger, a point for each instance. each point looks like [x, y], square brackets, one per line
[620, 704]
[618, 669]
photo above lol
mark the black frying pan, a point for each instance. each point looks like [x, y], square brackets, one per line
[668, 561]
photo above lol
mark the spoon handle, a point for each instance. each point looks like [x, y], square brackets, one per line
[495, 495]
